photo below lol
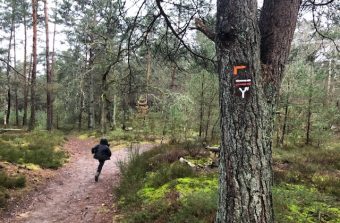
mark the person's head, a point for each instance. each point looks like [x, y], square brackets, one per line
[104, 142]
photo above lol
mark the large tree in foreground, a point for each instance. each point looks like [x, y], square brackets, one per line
[260, 47]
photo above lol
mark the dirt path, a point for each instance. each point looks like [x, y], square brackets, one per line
[72, 195]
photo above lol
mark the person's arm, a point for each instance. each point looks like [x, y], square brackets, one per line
[94, 149]
[109, 152]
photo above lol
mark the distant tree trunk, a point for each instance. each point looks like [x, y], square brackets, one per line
[52, 69]
[148, 72]
[329, 82]
[285, 119]
[34, 65]
[15, 80]
[48, 72]
[114, 104]
[104, 102]
[309, 110]
[91, 121]
[81, 103]
[201, 108]
[7, 104]
[209, 117]
[24, 119]
[173, 84]
[247, 123]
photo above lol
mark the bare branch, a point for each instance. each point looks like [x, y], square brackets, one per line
[15, 70]
[168, 23]
[313, 3]
[320, 33]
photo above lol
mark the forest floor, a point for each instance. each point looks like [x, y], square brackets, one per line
[71, 194]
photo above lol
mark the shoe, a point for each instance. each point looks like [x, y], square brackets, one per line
[96, 177]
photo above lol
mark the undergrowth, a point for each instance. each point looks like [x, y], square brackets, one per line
[40, 148]
[160, 189]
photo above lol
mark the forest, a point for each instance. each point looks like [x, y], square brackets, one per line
[214, 111]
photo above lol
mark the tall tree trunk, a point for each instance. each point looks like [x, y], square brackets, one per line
[7, 104]
[24, 119]
[247, 119]
[48, 72]
[16, 81]
[34, 65]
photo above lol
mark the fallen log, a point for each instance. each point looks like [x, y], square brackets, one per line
[214, 150]
[182, 160]
[12, 130]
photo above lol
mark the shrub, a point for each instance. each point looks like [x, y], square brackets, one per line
[3, 197]
[168, 172]
[11, 182]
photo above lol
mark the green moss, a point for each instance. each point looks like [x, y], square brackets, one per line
[185, 187]
[200, 160]
[300, 204]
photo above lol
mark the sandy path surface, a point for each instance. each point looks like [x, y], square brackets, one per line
[72, 195]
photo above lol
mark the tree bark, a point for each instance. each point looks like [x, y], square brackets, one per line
[34, 65]
[48, 72]
[247, 123]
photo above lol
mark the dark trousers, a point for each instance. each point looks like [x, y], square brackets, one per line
[100, 166]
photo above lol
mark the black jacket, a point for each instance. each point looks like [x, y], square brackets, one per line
[101, 152]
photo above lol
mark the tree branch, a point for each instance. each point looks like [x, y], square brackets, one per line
[200, 26]
[7, 63]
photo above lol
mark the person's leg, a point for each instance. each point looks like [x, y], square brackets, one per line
[100, 166]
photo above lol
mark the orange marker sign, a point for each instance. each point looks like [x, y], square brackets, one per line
[236, 68]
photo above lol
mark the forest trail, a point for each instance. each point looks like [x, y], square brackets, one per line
[72, 195]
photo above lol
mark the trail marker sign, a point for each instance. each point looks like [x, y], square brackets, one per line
[242, 80]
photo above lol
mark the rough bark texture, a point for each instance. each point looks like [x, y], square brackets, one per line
[34, 65]
[247, 123]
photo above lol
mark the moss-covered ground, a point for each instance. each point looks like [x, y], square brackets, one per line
[156, 187]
